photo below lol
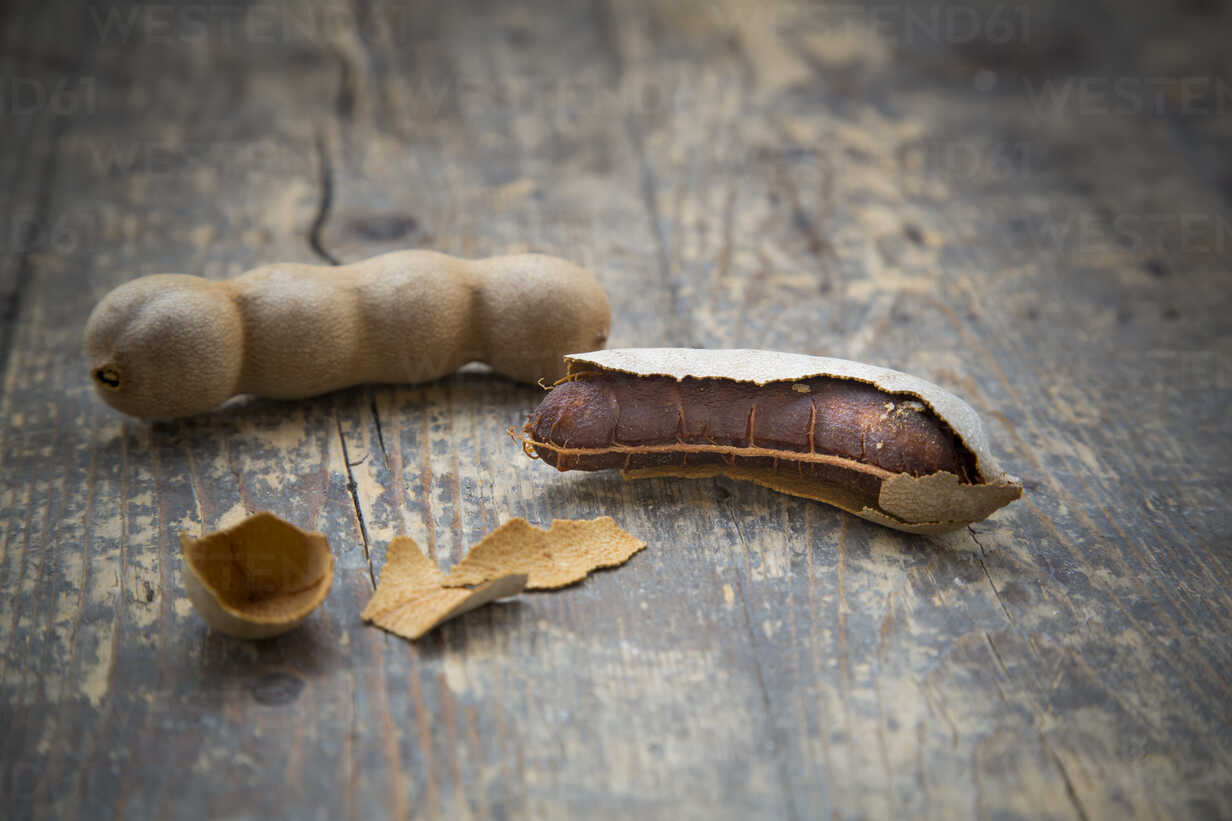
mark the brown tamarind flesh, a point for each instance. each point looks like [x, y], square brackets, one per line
[620, 421]
[833, 437]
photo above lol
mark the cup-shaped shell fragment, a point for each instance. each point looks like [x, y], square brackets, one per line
[259, 578]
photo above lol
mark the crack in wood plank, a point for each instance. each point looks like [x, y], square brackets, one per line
[325, 203]
[353, 488]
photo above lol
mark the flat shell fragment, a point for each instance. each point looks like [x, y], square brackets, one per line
[552, 558]
[257, 579]
[411, 599]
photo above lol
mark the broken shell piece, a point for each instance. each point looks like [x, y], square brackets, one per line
[259, 578]
[410, 599]
[552, 558]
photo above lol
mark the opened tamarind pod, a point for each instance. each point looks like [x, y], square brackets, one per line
[884, 445]
[171, 345]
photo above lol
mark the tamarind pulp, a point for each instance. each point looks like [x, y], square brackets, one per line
[829, 431]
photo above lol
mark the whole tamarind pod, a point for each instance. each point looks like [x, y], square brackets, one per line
[171, 345]
[881, 444]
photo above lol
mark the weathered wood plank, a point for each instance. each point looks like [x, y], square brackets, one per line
[908, 185]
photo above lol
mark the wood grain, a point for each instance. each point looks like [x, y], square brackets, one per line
[834, 180]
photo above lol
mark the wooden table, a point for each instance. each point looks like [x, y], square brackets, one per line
[1028, 204]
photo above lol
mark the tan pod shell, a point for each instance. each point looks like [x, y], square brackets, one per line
[171, 345]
